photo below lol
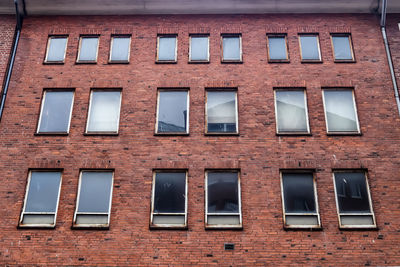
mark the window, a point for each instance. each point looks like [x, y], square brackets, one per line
[41, 199]
[291, 111]
[223, 207]
[120, 49]
[169, 202]
[340, 111]
[309, 46]
[94, 199]
[199, 48]
[299, 198]
[104, 111]
[55, 112]
[221, 112]
[353, 200]
[277, 48]
[56, 49]
[232, 48]
[88, 49]
[172, 112]
[167, 48]
[342, 48]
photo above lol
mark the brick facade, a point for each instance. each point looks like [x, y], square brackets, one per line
[258, 152]
[7, 25]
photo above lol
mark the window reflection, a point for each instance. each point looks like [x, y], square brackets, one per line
[222, 190]
[172, 111]
[291, 111]
[221, 112]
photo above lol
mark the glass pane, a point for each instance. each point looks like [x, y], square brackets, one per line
[291, 111]
[95, 192]
[56, 50]
[298, 192]
[120, 48]
[231, 48]
[166, 48]
[172, 112]
[277, 48]
[104, 111]
[43, 192]
[222, 191]
[309, 47]
[199, 48]
[56, 111]
[352, 194]
[221, 111]
[341, 46]
[340, 112]
[88, 50]
[169, 192]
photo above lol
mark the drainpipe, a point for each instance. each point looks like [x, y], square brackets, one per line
[12, 57]
[389, 57]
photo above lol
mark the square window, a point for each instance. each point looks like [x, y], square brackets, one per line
[169, 202]
[167, 48]
[104, 111]
[93, 202]
[291, 111]
[353, 200]
[231, 48]
[221, 112]
[277, 48]
[300, 205]
[56, 49]
[120, 49]
[342, 48]
[199, 48]
[172, 112]
[41, 199]
[309, 46]
[223, 207]
[88, 49]
[340, 111]
[55, 112]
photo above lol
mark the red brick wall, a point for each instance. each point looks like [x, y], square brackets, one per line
[258, 152]
[7, 25]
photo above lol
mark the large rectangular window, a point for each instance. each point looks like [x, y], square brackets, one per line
[55, 112]
[172, 112]
[56, 49]
[223, 204]
[299, 200]
[199, 48]
[120, 49]
[340, 111]
[93, 204]
[88, 49]
[169, 201]
[277, 48]
[342, 48]
[353, 200]
[309, 48]
[41, 199]
[231, 48]
[167, 48]
[221, 111]
[104, 111]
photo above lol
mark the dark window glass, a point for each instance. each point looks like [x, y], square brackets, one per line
[43, 192]
[172, 111]
[277, 48]
[221, 112]
[231, 48]
[120, 48]
[88, 49]
[222, 190]
[56, 49]
[169, 193]
[341, 47]
[298, 192]
[291, 111]
[340, 111]
[352, 193]
[166, 48]
[199, 48]
[309, 47]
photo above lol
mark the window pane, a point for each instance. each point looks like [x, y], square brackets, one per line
[43, 192]
[198, 48]
[95, 189]
[104, 111]
[221, 111]
[222, 190]
[291, 111]
[277, 47]
[56, 50]
[172, 112]
[340, 111]
[309, 47]
[231, 48]
[56, 111]
[352, 194]
[166, 48]
[298, 192]
[169, 193]
[341, 46]
[120, 48]
[88, 49]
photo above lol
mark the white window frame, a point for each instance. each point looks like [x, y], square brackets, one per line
[208, 48]
[175, 60]
[110, 60]
[277, 35]
[79, 61]
[46, 61]
[348, 35]
[318, 46]
[230, 35]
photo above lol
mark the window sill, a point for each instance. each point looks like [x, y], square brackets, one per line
[36, 226]
[171, 134]
[303, 228]
[166, 61]
[53, 62]
[51, 134]
[199, 62]
[344, 133]
[293, 134]
[231, 61]
[101, 133]
[306, 61]
[359, 228]
[221, 134]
